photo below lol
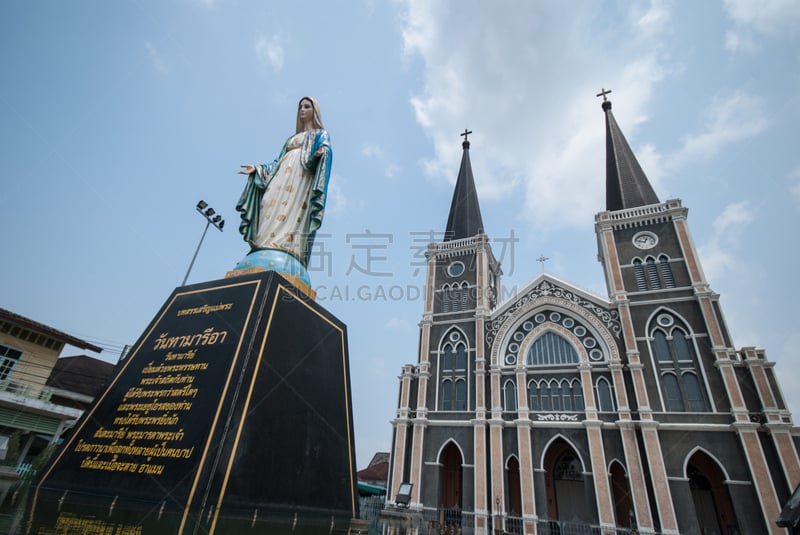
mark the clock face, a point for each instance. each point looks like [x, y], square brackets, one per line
[645, 240]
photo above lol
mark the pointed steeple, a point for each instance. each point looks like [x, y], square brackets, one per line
[465, 219]
[626, 184]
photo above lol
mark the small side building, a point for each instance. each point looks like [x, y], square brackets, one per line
[29, 351]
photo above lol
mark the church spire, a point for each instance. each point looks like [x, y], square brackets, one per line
[626, 184]
[465, 219]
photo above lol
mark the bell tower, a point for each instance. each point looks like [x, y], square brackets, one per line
[450, 380]
[678, 350]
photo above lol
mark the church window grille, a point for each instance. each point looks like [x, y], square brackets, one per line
[652, 274]
[551, 349]
[675, 359]
[605, 395]
[638, 273]
[455, 297]
[510, 394]
[453, 370]
[8, 359]
[666, 272]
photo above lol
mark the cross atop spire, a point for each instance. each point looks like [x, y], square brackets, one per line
[606, 103]
[464, 220]
[466, 133]
[626, 184]
[603, 92]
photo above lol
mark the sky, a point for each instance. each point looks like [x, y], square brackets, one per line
[116, 118]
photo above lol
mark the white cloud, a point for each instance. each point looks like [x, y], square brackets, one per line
[794, 176]
[377, 153]
[337, 202]
[721, 254]
[155, 57]
[372, 151]
[270, 51]
[731, 119]
[397, 323]
[738, 42]
[651, 21]
[775, 17]
[530, 102]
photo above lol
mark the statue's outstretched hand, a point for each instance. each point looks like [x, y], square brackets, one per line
[247, 169]
[320, 152]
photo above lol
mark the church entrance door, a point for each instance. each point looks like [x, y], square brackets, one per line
[450, 477]
[712, 501]
[566, 490]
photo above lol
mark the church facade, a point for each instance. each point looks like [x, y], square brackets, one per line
[559, 409]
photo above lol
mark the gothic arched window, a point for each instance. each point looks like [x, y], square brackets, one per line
[675, 359]
[605, 395]
[510, 395]
[453, 372]
[553, 395]
[653, 274]
[551, 349]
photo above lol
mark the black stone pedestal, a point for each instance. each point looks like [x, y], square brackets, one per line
[231, 415]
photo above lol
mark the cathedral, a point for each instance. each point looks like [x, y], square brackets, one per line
[561, 411]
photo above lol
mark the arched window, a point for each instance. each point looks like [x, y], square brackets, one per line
[554, 395]
[510, 394]
[661, 346]
[447, 395]
[550, 349]
[638, 273]
[453, 372]
[577, 395]
[605, 395]
[666, 272]
[566, 396]
[676, 361]
[533, 396]
[653, 274]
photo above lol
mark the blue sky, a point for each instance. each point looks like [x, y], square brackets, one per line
[117, 117]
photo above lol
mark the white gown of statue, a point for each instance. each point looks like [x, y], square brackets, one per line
[284, 222]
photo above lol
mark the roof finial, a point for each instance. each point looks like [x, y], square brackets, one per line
[606, 103]
[465, 144]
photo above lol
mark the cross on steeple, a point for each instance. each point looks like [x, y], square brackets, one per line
[603, 92]
[465, 144]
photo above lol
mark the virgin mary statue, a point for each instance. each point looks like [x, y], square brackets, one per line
[283, 202]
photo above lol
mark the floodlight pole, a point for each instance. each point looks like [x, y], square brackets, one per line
[207, 212]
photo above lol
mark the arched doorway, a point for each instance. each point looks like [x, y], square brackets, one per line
[514, 489]
[450, 477]
[566, 492]
[712, 501]
[621, 492]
